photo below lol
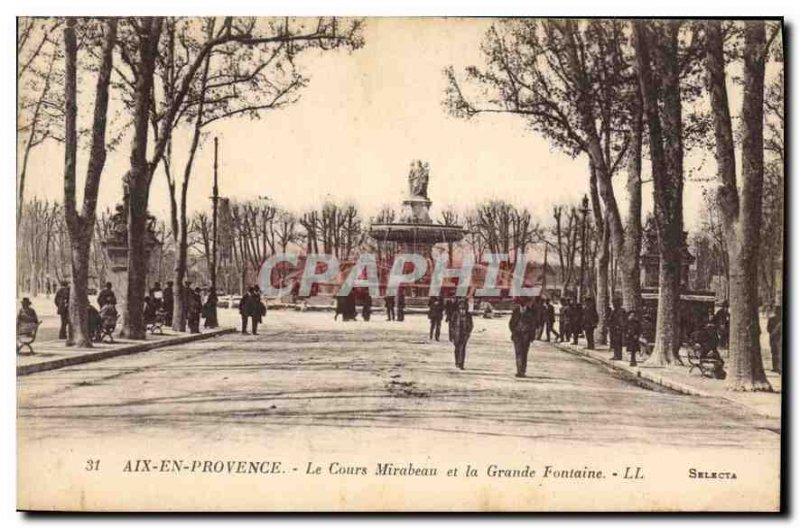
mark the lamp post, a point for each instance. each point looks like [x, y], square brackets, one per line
[214, 200]
[584, 211]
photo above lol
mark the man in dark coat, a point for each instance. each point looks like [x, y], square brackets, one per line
[576, 321]
[721, 320]
[522, 325]
[62, 309]
[538, 318]
[401, 305]
[449, 308]
[589, 319]
[435, 315]
[633, 331]
[256, 309]
[168, 302]
[462, 324]
[339, 309]
[210, 309]
[366, 308]
[389, 302]
[194, 310]
[350, 310]
[549, 320]
[26, 314]
[244, 310]
[106, 296]
[564, 320]
[775, 330]
[615, 322]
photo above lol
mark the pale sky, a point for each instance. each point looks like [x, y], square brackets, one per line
[356, 128]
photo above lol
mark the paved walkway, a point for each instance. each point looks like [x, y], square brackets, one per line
[678, 377]
[54, 354]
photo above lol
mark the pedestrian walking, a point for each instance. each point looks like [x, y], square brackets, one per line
[194, 310]
[538, 317]
[244, 310]
[257, 309]
[449, 309]
[615, 322]
[462, 329]
[62, 309]
[435, 315]
[549, 320]
[564, 322]
[401, 305]
[210, 309]
[576, 321]
[350, 310]
[168, 301]
[633, 332]
[522, 326]
[339, 308]
[388, 301]
[366, 307]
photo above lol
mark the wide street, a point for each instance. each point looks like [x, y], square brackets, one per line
[306, 374]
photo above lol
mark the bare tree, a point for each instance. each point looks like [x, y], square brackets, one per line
[81, 225]
[572, 81]
[40, 106]
[656, 46]
[140, 51]
[741, 205]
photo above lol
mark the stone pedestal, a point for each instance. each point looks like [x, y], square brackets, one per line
[416, 210]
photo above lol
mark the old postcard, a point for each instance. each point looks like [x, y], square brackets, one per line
[399, 264]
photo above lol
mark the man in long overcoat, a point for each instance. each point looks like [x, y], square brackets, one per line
[522, 326]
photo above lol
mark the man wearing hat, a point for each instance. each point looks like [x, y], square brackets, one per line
[62, 308]
[106, 296]
[26, 314]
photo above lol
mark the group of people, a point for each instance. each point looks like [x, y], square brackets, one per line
[347, 307]
[252, 308]
[104, 316]
[390, 302]
[159, 306]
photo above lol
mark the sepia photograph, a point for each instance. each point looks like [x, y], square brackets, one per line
[400, 264]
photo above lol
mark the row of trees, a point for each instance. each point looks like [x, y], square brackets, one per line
[617, 92]
[141, 79]
[252, 230]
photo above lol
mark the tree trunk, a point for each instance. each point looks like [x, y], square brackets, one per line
[666, 154]
[602, 229]
[632, 247]
[139, 180]
[179, 311]
[741, 213]
[79, 292]
[81, 226]
[602, 286]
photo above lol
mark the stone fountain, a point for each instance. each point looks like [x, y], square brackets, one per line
[416, 232]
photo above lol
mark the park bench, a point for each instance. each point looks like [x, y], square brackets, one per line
[107, 327]
[156, 325]
[26, 335]
[709, 365]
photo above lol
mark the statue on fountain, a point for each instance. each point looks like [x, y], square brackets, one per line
[418, 176]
